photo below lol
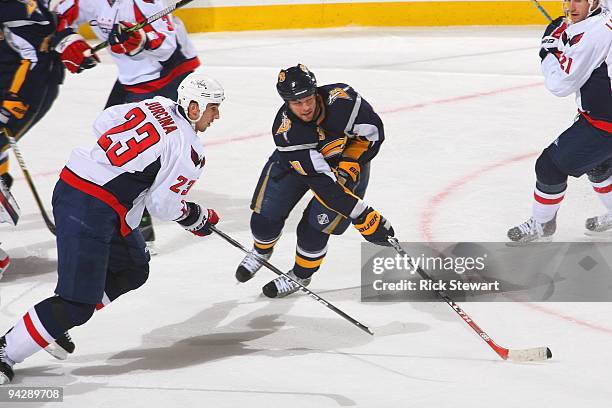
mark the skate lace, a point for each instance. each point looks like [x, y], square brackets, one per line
[605, 219]
[284, 285]
[252, 261]
[529, 227]
[3, 357]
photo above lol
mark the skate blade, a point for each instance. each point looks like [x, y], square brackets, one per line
[599, 234]
[151, 248]
[56, 351]
[543, 240]
[4, 379]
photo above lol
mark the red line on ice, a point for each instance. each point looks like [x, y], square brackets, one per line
[383, 112]
[429, 213]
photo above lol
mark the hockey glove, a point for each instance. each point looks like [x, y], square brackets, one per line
[550, 39]
[374, 227]
[76, 53]
[348, 174]
[126, 42]
[12, 107]
[197, 221]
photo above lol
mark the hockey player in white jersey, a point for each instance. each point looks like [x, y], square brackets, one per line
[576, 58]
[147, 153]
[151, 61]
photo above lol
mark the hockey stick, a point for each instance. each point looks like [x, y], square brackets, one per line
[542, 10]
[521, 355]
[26, 173]
[302, 287]
[147, 21]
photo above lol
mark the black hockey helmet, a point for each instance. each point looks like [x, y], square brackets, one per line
[296, 82]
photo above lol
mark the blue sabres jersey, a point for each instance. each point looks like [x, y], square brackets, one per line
[347, 128]
[26, 62]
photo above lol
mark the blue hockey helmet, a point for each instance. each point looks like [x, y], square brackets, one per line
[296, 82]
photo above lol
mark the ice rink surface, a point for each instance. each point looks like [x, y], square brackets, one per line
[465, 114]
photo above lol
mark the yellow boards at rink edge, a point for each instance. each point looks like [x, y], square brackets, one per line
[241, 15]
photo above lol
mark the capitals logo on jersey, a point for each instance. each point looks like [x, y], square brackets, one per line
[571, 40]
[337, 93]
[196, 159]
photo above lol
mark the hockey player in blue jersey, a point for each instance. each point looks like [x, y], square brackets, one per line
[576, 58]
[30, 72]
[326, 137]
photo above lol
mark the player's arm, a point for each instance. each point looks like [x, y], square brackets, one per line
[29, 75]
[365, 136]
[365, 131]
[75, 52]
[568, 70]
[157, 38]
[167, 197]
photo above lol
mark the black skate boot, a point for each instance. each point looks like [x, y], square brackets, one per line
[599, 224]
[62, 346]
[533, 231]
[281, 286]
[251, 263]
[146, 229]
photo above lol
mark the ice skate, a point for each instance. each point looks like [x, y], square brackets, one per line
[281, 286]
[9, 210]
[148, 233]
[250, 265]
[599, 225]
[533, 231]
[62, 346]
[6, 364]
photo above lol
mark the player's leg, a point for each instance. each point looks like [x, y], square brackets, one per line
[84, 227]
[310, 252]
[278, 190]
[117, 95]
[601, 180]
[317, 224]
[19, 128]
[128, 267]
[577, 150]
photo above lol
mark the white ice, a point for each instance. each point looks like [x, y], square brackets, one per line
[465, 113]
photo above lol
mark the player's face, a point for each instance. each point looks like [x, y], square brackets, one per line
[208, 117]
[304, 108]
[578, 10]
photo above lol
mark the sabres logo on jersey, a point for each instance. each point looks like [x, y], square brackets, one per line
[338, 93]
[284, 126]
[333, 148]
[321, 133]
[196, 159]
